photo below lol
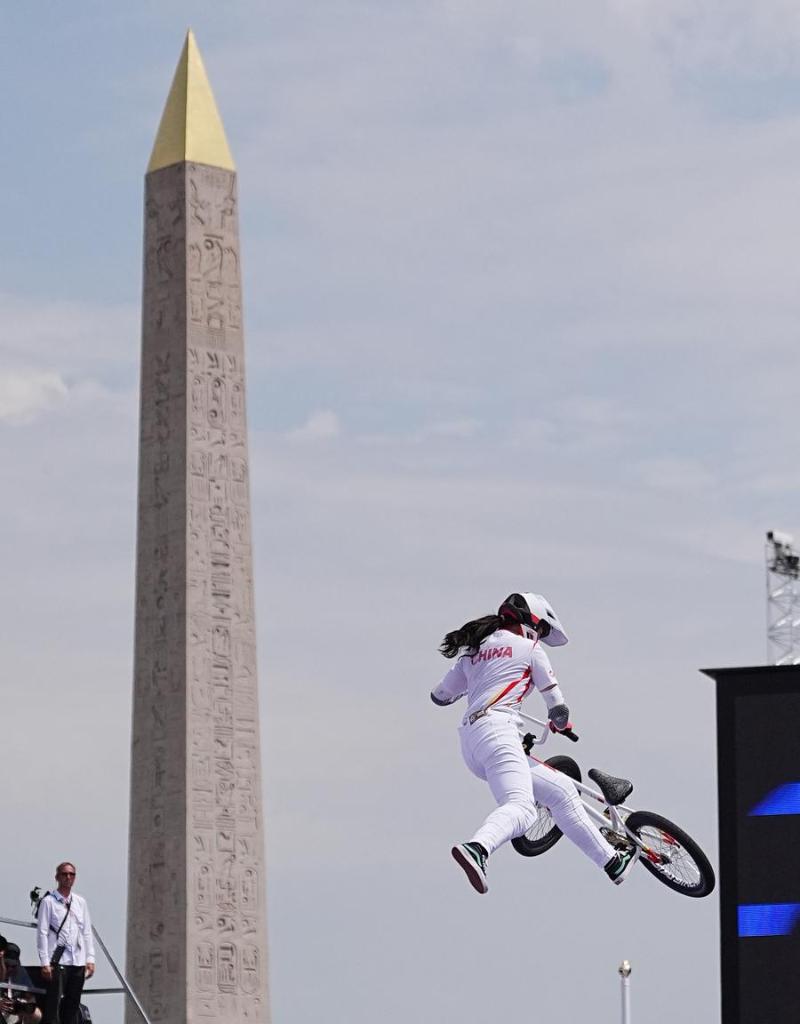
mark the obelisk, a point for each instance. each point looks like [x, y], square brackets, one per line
[196, 938]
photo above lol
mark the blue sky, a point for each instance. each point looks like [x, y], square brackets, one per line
[521, 313]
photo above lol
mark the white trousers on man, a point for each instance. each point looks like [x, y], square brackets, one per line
[492, 750]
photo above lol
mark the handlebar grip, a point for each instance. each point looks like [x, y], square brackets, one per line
[565, 732]
[528, 741]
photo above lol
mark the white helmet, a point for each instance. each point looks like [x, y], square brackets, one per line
[537, 618]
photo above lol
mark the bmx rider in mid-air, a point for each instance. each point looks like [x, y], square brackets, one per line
[500, 659]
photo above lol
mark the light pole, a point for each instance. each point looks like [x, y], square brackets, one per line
[625, 978]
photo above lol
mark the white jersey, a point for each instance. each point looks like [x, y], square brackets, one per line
[500, 675]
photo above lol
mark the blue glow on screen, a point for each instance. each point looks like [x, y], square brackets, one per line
[759, 919]
[783, 800]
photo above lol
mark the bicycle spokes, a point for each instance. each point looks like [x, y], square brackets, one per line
[666, 853]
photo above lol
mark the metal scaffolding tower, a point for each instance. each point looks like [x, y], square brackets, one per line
[783, 599]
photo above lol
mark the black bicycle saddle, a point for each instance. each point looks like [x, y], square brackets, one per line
[615, 790]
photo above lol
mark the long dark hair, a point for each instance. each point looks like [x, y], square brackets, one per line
[514, 611]
[470, 636]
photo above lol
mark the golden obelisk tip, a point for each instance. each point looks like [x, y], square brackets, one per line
[191, 128]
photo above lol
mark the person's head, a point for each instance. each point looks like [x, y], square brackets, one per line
[11, 956]
[534, 616]
[65, 875]
[527, 615]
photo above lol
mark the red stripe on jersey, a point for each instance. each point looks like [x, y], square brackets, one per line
[525, 675]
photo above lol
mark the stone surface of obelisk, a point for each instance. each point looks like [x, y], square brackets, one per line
[196, 937]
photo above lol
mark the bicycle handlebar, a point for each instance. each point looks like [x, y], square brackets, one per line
[564, 732]
[529, 739]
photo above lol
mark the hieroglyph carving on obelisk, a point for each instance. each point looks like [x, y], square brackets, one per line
[197, 941]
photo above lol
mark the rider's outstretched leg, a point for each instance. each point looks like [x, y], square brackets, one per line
[556, 792]
[492, 751]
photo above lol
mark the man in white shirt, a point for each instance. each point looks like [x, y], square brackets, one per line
[65, 945]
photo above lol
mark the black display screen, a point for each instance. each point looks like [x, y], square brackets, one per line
[758, 718]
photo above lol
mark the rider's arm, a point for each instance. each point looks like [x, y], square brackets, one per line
[544, 679]
[452, 686]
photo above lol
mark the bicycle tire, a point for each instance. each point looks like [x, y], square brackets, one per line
[688, 872]
[536, 841]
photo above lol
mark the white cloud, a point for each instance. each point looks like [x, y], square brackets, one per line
[76, 336]
[26, 394]
[462, 428]
[320, 426]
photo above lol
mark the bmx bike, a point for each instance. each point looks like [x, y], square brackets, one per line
[664, 849]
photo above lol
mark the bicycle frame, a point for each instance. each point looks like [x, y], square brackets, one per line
[609, 817]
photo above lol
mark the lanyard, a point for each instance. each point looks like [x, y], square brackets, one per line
[64, 921]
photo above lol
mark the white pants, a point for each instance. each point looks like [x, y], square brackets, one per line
[493, 751]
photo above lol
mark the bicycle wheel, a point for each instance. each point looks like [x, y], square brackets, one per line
[671, 855]
[544, 832]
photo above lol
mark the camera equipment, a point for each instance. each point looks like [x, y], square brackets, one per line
[36, 898]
